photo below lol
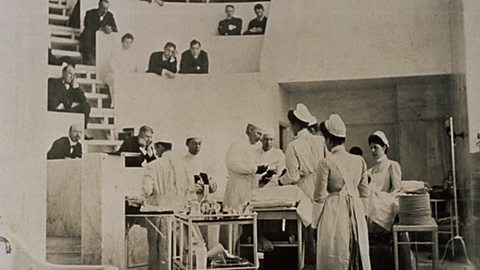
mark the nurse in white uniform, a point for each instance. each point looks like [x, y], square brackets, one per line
[385, 182]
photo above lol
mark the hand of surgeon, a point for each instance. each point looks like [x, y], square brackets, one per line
[265, 179]
[261, 169]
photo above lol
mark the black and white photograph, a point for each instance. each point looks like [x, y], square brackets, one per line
[240, 135]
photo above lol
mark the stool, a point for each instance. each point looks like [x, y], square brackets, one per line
[433, 228]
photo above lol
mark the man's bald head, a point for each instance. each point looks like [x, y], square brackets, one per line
[75, 132]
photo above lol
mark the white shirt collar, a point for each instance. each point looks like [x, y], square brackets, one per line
[338, 148]
[303, 133]
[189, 155]
[72, 143]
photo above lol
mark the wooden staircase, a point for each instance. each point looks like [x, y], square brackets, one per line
[65, 46]
[64, 250]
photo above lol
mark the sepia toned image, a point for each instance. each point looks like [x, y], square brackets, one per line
[239, 134]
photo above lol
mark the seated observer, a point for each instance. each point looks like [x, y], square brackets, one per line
[67, 146]
[194, 60]
[65, 95]
[230, 26]
[258, 25]
[164, 63]
[142, 145]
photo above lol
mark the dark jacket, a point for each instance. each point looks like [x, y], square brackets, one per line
[223, 27]
[157, 64]
[92, 24]
[257, 23]
[58, 93]
[131, 145]
[189, 64]
[61, 149]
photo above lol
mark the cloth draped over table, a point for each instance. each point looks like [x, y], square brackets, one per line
[283, 196]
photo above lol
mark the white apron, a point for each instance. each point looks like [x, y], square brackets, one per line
[382, 206]
[342, 220]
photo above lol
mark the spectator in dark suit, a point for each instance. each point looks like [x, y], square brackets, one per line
[258, 25]
[164, 63]
[96, 19]
[67, 147]
[142, 145]
[230, 26]
[65, 95]
[194, 60]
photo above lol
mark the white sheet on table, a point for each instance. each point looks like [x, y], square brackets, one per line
[284, 196]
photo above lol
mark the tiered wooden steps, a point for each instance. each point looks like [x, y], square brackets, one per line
[65, 46]
[64, 250]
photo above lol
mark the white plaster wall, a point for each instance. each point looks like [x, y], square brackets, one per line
[310, 40]
[471, 9]
[23, 88]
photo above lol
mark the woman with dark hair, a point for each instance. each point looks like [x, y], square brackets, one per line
[382, 207]
[341, 185]
[385, 182]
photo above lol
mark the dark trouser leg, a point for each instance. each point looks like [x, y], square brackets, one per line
[310, 246]
[84, 108]
[88, 47]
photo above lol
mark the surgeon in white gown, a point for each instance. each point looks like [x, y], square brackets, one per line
[167, 182]
[274, 158]
[243, 167]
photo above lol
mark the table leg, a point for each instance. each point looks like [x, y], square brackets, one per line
[395, 250]
[181, 241]
[435, 250]
[230, 238]
[174, 240]
[190, 245]
[255, 243]
[300, 244]
[169, 242]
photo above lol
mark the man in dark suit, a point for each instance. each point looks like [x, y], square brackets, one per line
[164, 63]
[64, 94]
[141, 145]
[194, 60]
[230, 26]
[258, 25]
[95, 19]
[67, 147]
